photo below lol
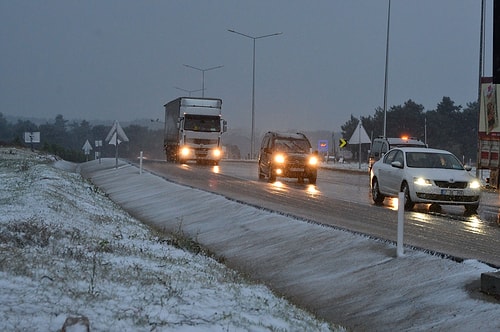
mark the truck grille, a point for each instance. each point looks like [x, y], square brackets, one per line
[202, 141]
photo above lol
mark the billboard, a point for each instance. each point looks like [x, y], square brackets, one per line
[32, 137]
[323, 146]
[489, 122]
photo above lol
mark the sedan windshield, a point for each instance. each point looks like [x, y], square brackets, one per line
[432, 160]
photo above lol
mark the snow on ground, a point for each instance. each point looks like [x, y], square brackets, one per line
[68, 251]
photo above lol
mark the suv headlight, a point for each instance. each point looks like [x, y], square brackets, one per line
[279, 158]
[313, 161]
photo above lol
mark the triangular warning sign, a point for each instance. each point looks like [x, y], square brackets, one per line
[117, 130]
[114, 140]
[359, 136]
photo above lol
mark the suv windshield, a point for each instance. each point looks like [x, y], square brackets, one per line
[292, 145]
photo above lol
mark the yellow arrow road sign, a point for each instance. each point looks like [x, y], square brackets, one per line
[342, 142]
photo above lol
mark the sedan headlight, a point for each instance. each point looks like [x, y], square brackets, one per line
[313, 161]
[422, 181]
[474, 184]
[279, 158]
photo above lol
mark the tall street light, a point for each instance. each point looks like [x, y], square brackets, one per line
[253, 84]
[203, 76]
[386, 66]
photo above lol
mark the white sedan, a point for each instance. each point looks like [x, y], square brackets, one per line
[425, 176]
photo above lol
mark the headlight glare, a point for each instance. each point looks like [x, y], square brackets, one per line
[422, 182]
[279, 158]
[313, 161]
[185, 151]
[474, 184]
[216, 153]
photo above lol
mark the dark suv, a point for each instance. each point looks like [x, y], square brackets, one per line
[381, 145]
[287, 155]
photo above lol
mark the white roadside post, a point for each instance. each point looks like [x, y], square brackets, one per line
[140, 163]
[401, 218]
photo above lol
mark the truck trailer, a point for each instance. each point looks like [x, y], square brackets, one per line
[193, 130]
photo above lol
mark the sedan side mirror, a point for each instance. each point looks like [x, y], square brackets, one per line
[397, 164]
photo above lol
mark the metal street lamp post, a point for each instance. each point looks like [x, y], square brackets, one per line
[188, 91]
[252, 137]
[386, 69]
[203, 76]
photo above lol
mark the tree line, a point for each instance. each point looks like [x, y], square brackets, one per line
[66, 139]
[450, 127]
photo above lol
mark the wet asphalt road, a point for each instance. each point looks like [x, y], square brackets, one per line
[342, 200]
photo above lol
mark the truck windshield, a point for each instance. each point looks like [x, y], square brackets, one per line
[208, 123]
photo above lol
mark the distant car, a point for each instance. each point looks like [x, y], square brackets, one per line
[287, 155]
[425, 176]
[381, 145]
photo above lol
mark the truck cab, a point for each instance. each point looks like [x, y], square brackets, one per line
[193, 130]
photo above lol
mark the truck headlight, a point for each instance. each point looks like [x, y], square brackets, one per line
[216, 153]
[279, 158]
[185, 151]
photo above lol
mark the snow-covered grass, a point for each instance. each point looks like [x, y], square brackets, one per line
[68, 251]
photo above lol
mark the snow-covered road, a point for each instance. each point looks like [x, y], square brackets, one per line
[345, 278]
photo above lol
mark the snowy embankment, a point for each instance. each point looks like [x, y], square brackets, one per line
[68, 251]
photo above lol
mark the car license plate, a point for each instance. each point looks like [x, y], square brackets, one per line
[296, 169]
[450, 192]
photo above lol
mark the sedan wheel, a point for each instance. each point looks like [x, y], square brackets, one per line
[377, 197]
[471, 208]
[408, 202]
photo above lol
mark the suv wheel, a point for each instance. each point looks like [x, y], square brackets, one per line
[272, 176]
[261, 175]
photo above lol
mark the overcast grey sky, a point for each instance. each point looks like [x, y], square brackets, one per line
[121, 60]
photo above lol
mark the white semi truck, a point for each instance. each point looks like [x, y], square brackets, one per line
[193, 130]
